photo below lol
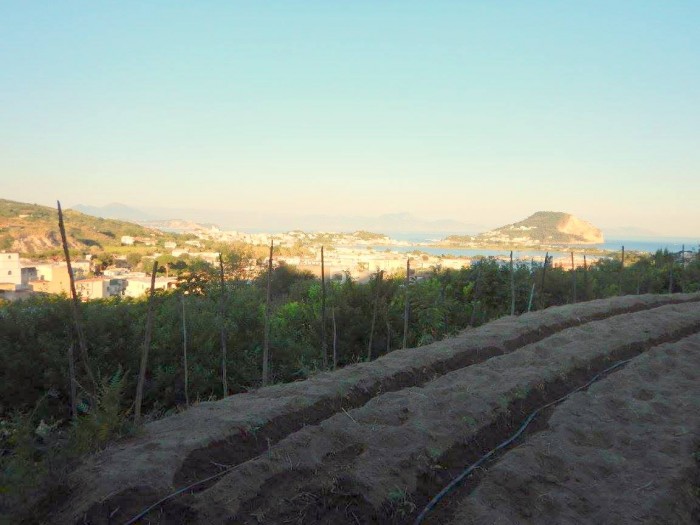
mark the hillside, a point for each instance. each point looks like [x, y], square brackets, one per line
[540, 228]
[33, 229]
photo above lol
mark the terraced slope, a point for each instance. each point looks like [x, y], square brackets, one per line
[372, 442]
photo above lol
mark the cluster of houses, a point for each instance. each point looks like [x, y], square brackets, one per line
[19, 280]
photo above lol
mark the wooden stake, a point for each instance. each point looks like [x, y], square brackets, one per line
[477, 286]
[532, 296]
[406, 309]
[512, 285]
[377, 289]
[335, 340]
[585, 278]
[388, 332]
[573, 279]
[224, 336]
[324, 347]
[184, 352]
[622, 269]
[75, 306]
[266, 341]
[73, 392]
[146, 346]
[544, 272]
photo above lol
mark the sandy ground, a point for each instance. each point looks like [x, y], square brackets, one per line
[367, 434]
[621, 452]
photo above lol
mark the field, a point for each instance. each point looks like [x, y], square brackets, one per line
[374, 442]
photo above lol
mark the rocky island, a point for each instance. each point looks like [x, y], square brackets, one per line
[542, 228]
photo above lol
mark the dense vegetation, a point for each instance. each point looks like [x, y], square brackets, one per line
[35, 333]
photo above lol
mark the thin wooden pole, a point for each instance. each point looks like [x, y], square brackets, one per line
[146, 346]
[532, 288]
[75, 306]
[683, 268]
[544, 273]
[406, 308]
[622, 269]
[335, 339]
[73, 392]
[224, 335]
[532, 296]
[512, 285]
[184, 352]
[266, 342]
[585, 278]
[324, 346]
[388, 332]
[573, 279]
[377, 289]
[670, 275]
[477, 289]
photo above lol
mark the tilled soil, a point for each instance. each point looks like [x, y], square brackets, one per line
[371, 442]
[624, 451]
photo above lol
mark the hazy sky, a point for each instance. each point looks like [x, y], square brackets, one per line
[477, 111]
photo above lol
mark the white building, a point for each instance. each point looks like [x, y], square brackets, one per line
[136, 287]
[10, 270]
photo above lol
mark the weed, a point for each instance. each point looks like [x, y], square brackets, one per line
[400, 503]
[469, 421]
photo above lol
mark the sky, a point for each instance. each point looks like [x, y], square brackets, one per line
[475, 111]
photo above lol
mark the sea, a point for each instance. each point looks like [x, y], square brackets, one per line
[613, 245]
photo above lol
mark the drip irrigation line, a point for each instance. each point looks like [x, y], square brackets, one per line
[433, 503]
[456, 481]
[172, 495]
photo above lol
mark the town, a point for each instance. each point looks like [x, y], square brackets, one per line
[349, 257]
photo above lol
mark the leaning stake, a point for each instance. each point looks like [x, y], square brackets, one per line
[75, 304]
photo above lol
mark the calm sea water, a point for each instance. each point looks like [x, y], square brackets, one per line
[649, 246]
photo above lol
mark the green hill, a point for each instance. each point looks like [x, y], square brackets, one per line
[32, 229]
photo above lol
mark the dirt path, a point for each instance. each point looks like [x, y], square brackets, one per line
[621, 452]
[370, 437]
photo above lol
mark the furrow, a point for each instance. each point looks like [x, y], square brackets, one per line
[194, 445]
[620, 452]
[393, 448]
[244, 445]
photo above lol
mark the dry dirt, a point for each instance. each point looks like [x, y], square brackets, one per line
[372, 443]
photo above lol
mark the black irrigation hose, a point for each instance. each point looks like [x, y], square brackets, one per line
[170, 496]
[430, 506]
[456, 481]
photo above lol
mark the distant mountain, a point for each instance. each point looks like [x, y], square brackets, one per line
[115, 210]
[179, 226]
[541, 228]
[241, 220]
[33, 229]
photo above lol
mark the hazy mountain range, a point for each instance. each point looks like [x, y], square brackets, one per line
[232, 220]
[277, 222]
